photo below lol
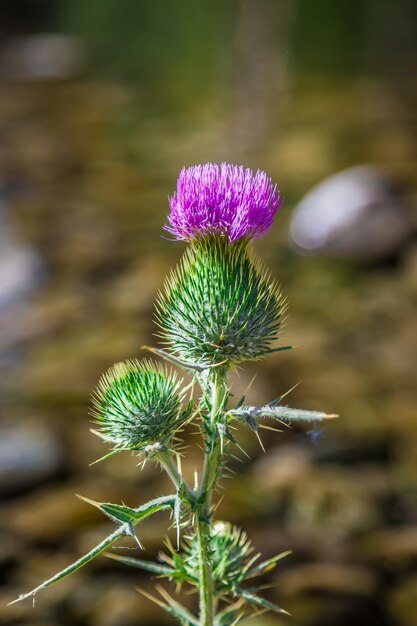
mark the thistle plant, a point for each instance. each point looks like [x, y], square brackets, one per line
[219, 308]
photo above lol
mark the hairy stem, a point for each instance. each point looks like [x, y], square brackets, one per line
[167, 462]
[212, 459]
[206, 579]
[200, 500]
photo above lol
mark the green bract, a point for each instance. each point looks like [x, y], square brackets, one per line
[138, 404]
[230, 549]
[220, 304]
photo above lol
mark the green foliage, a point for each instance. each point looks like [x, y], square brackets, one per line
[258, 601]
[121, 514]
[230, 616]
[220, 304]
[124, 530]
[230, 551]
[125, 518]
[232, 564]
[138, 405]
[148, 566]
[173, 607]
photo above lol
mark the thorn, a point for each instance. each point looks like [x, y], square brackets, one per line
[242, 450]
[164, 594]
[179, 468]
[291, 390]
[97, 433]
[106, 456]
[88, 501]
[275, 430]
[149, 596]
[260, 440]
[237, 458]
[280, 398]
[216, 506]
[250, 384]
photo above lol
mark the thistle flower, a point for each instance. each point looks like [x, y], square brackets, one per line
[227, 199]
[219, 307]
[220, 304]
[138, 404]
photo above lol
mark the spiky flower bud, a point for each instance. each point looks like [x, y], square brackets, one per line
[137, 404]
[224, 199]
[230, 552]
[220, 305]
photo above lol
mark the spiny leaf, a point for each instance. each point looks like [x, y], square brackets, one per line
[121, 514]
[124, 530]
[230, 616]
[177, 519]
[149, 566]
[172, 607]
[266, 566]
[253, 598]
[271, 350]
[282, 413]
[230, 557]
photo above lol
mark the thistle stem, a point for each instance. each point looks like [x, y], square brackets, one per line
[167, 462]
[212, 460]
[206, 578]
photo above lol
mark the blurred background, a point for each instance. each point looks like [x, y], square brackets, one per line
[102, 102]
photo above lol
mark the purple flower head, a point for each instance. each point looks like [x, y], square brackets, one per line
[223, 198]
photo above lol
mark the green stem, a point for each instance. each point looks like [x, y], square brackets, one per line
[166, 460]
[200, 500]
[212, 461]
[206, 578]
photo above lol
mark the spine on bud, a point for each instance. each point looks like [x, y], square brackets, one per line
[137, 406]
[220, 305]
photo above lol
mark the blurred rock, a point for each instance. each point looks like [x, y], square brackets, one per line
[410, 270]
[39, 566]
[355, 214]
[123, 605]
[10, 546]
[53, 512]
[21, 268]
[395, 547]
[42, 56]
[343, 578]
[135, 290]
[282, 467]
[29, 453]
